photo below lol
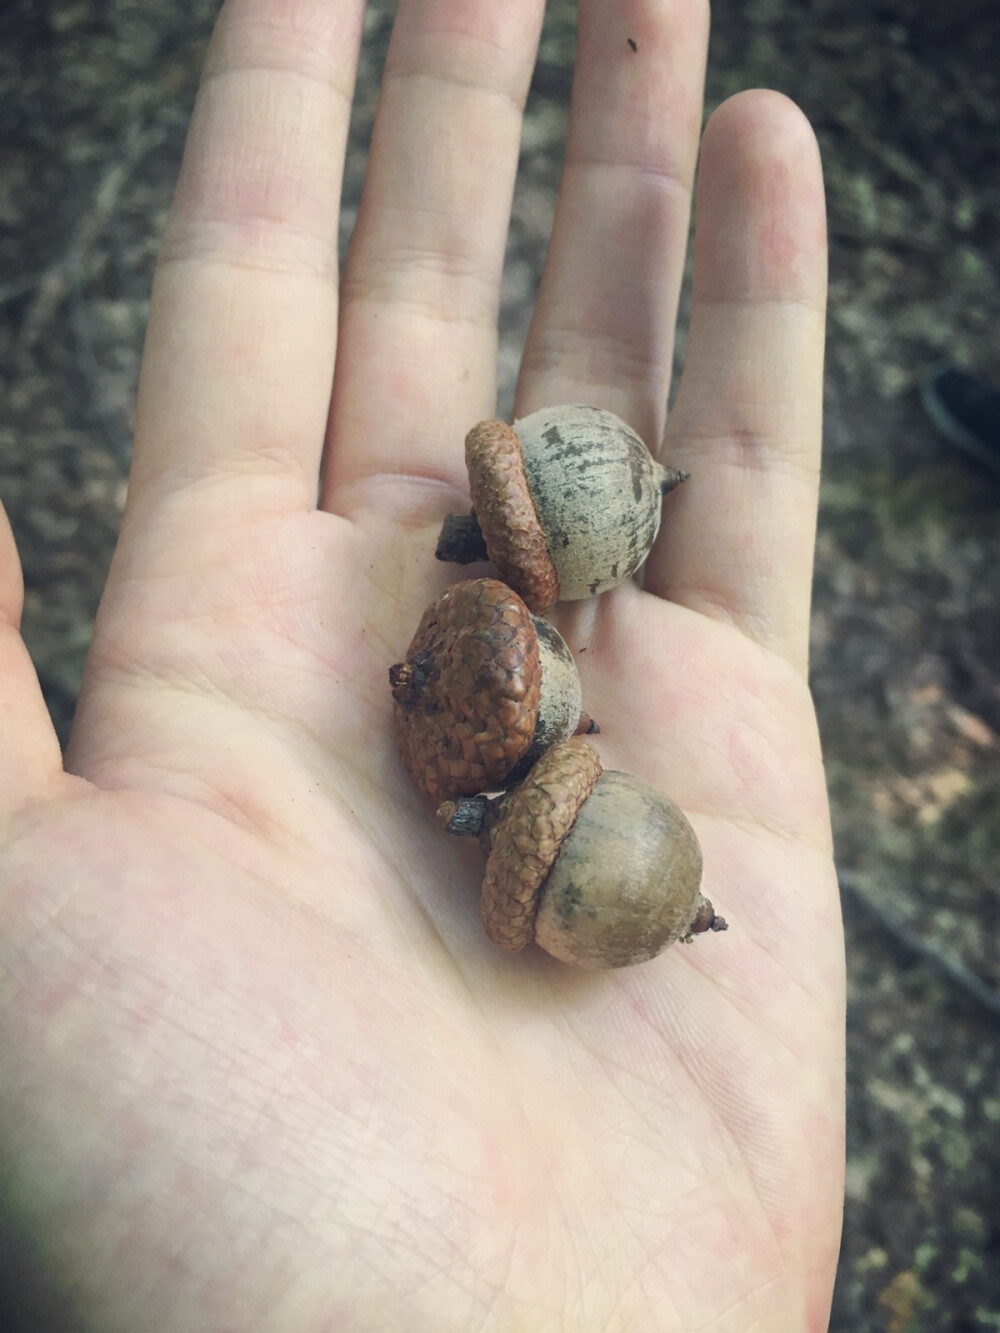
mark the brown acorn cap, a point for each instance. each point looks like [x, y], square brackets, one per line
[538, 816]
[502, 503]
[466, 698]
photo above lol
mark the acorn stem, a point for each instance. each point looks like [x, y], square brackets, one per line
[403, 682]
[461, 541]
[707, 920]
[473, 817]
[465, 817]
[671, 478]
[407, 679]
[586, 726]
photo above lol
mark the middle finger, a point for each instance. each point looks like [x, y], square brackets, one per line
[416, 364]
[604, 323]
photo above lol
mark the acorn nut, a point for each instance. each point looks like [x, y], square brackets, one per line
[486, 687]
[595, 866]
[565, 503]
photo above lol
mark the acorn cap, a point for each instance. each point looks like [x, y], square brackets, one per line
[505, 510]
[466, 698]
[537, 817]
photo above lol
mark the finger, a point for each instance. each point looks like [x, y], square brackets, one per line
[604, 323]
[242, 331]
[737, 539]
[417, 360]
[29, 750]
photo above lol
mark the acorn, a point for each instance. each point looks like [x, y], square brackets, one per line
[485, 689]
[593, 865]
[565, 503]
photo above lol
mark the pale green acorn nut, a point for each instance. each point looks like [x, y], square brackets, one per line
[566, 503]
[595, 866]
[627, 881]
[598, 492]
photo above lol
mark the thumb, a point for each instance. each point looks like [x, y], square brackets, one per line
[29, 751]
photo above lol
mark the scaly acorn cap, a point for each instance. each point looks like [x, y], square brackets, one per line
[537, 817]
[506, 514]
[466, 699]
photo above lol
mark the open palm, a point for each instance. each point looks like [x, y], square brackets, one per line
[263, 1070]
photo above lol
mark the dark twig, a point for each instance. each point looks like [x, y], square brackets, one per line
[942, 960]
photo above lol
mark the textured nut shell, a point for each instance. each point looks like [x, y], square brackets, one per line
[474, 716]
[597, 491]
[539, 814]
[626, 883]
[506, 514]
[561, 701]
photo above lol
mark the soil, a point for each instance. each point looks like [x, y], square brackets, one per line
[904, 96]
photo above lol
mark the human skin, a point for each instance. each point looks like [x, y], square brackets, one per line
[261, 1067]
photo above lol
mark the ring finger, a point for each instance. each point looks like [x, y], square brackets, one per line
[417, 354]
[604, 323]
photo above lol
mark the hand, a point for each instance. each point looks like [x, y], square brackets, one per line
[263, 1070]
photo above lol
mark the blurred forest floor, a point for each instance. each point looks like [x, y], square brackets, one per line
[905, 99]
